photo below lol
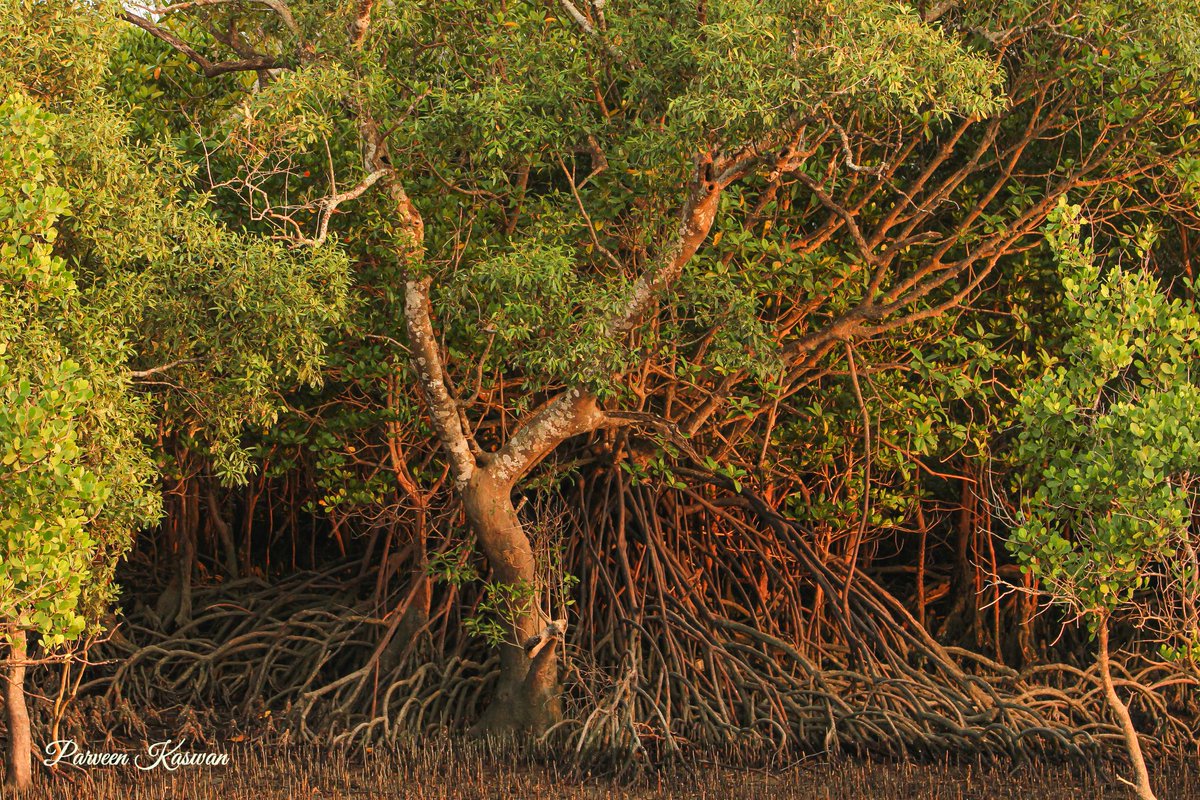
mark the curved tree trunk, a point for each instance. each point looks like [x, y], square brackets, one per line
[19, 776]
[527, 699]
[1141, 782]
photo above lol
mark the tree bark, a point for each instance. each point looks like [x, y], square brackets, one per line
[527, 698]
[1141, 782]
[175, 602]
[228, 546]
[528, 691]
[19, 775]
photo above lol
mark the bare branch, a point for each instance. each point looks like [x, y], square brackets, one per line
[571, 413]
[146, 373]
[695, 221]
[575, 410]
[329, 204]
[938, 10]
[211, 69]
[280, 8]
[588, 28]
[850, 162]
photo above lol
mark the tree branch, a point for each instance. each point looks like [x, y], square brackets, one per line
[427, 362]
[280, 8]
[329, 204]
[575, 410]
[571, 413]
[588, 28]
[211, 69]
[937, 10]
[146, 373]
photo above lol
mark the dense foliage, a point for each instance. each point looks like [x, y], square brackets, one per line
[542, 309]
[1109, 435]
[114, 276]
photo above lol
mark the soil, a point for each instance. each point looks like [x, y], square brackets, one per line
[450, 771]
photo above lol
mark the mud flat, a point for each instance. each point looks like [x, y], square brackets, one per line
[448, 771]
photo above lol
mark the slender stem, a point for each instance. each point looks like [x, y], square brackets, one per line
[1141, 783]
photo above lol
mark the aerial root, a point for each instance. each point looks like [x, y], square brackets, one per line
[707, 626]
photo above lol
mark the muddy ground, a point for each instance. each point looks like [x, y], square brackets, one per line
[438, 771]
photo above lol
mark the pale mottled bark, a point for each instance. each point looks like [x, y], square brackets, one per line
[527, 695]
[694, 225]
[427, 363]
[575, 411]
[361, 22]
[569, 414]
